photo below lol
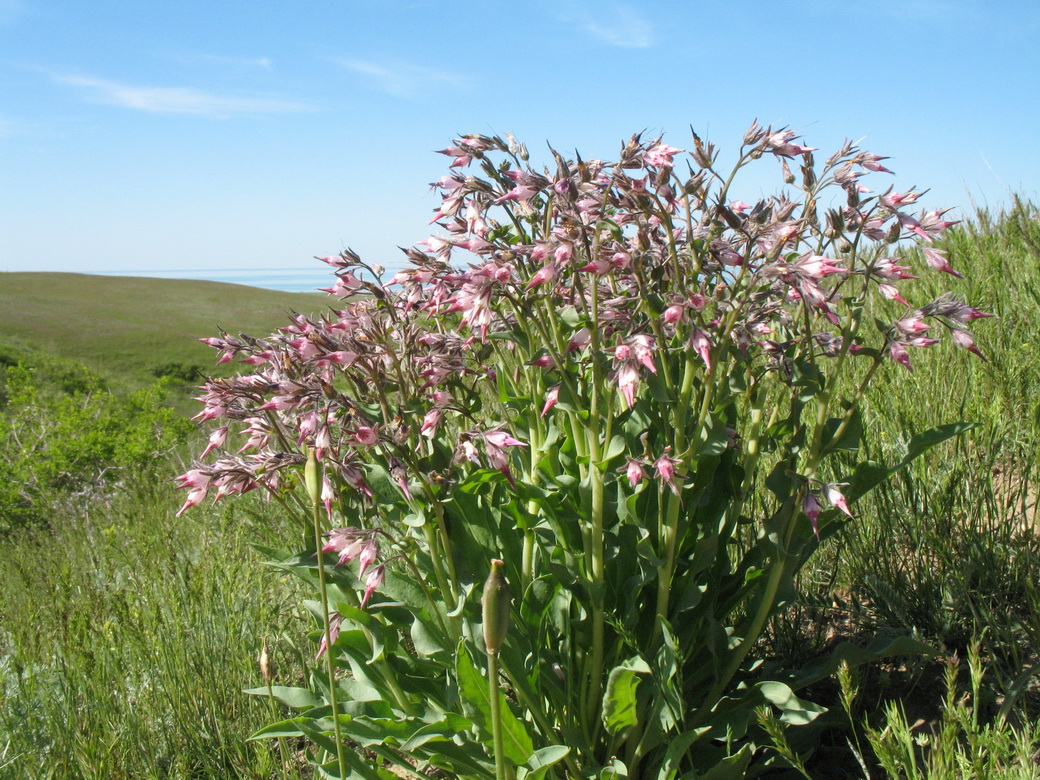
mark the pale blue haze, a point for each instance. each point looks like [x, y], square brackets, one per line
[197, 137]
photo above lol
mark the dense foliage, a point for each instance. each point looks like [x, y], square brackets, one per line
[65, 437]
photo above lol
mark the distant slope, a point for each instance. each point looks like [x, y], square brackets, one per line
[128, 326]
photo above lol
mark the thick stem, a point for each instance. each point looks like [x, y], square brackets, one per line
[496, 716]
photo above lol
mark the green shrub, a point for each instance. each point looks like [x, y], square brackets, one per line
[63, 434]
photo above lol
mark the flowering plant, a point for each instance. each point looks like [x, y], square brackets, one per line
[637, 405]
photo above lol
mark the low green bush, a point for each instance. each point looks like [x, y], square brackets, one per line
[64, 434]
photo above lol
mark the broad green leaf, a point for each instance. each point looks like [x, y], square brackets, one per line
[541, 760]
[730, 768]
[869, 474]
[677, 748]
[619, 698]
[445, 728]
[855, 655]
[296, 698]
[474, 689]
[795, 711]
[850, 438]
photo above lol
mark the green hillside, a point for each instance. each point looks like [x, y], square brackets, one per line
[127, 327]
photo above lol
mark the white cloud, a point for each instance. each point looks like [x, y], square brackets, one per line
[614, 23]
[175, 100]
[404, 79]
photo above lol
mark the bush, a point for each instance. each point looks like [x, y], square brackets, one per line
[638, 409]
[64, 434]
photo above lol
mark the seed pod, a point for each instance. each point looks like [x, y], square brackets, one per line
[495, 603]
[311, 479]
[266, 669]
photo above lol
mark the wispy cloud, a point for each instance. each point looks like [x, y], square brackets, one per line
[175, 100]
[613, 23]
[404, 79]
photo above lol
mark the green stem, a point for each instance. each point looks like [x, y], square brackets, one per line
[496, 716]
[330, 662]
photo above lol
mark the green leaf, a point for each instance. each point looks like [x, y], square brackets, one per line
[541, 760]
[795, 711]
[612, 450]
[619, 698]
[850, 438]
[924, 441]
[853, 655]
[730, 768]
[473, 687]
[296, 698]
[869, 474]
[677, 748]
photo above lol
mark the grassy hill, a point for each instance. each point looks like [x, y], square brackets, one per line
[126, 327]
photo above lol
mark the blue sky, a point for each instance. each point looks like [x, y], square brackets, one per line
[190, 135]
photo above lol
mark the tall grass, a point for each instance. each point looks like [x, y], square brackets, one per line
[949, 548]
[127, 637]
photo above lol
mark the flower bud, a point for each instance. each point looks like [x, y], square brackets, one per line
[495, 604]
[894, 231]
[310, 476]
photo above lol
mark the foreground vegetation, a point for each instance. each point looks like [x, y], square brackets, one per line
[126, 636]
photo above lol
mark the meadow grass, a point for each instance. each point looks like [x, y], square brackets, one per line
[126, 635]
[129, 327]
[949, 548]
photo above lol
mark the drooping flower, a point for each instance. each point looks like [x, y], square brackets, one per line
[335, 623]
[811, 508]
[376, 577]
[664, 467]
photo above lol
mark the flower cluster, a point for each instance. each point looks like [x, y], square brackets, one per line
[627, 263]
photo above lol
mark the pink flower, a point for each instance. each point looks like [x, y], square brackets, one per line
[892, 293]
[328, 495]
[375, 579]
[811, 508]
[335, 621]
[664, 466]
[431, 422]
[345, 286]
[836, 498]
[216, 439]
[937, 260]
[887, 268]
[551, 398]
[350, 543]
[701, 343]
[634, 471]
[365, 436]
[660, 155]
[898, 353]
[872, 162]
[912, 326]
[198, 481]
[964, 340]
